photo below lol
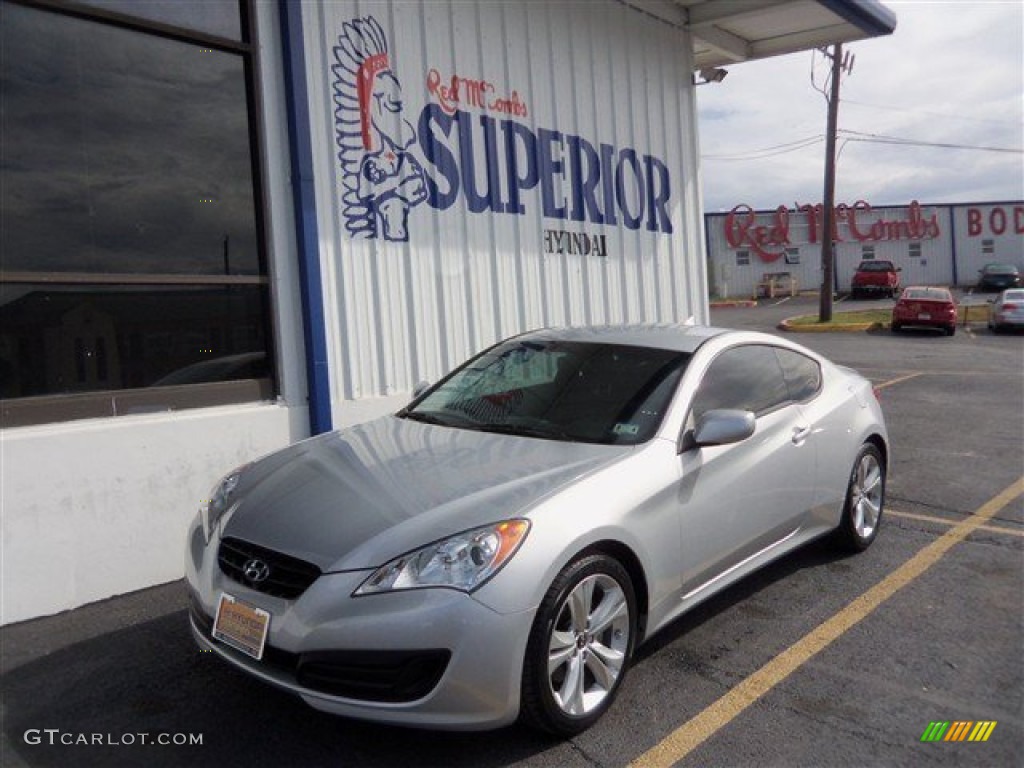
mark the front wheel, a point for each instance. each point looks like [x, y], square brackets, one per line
[950, 330]
[580, 646]
[865, 497]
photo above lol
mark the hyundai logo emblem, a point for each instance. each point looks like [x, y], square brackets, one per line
[255, 571]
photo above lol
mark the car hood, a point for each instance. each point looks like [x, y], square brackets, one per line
[356, 498]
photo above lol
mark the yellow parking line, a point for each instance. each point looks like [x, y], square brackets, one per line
[947, 521]
[889, 383]
[699, 729]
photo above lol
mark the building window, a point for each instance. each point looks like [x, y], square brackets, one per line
[742, 258]
[914, 250]
[988, 247]
[792, 255]
[132, 255]
[867, 252]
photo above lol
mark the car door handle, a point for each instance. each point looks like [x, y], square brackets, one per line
[800, 434]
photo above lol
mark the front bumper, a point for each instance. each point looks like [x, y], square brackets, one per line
[431, 657]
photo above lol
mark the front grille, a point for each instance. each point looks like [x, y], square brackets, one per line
[385, 676]
[288, 576]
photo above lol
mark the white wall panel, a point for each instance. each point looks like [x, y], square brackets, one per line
[986, 233]
[607, 78]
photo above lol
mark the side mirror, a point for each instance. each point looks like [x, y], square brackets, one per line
[720, 427]
[420, 388]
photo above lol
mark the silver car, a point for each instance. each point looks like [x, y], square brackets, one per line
[1007, 311]
[500, 547]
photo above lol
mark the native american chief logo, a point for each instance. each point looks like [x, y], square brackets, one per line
[382, 178]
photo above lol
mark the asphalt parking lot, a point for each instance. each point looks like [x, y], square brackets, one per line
[819, 660]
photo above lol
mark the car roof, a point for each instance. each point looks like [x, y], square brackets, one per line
[679, 337]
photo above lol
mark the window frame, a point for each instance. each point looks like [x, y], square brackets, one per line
[64, 407]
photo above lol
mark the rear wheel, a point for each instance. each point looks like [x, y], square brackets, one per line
[950, 330]
[865, 497]
[896, 327]
[580, 646]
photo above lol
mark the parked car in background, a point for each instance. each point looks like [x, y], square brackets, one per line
[998, 277]
[875, 277]
[501, 546]
[1007, 311]
[925, 307]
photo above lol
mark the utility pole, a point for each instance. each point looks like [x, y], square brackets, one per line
[828, 225]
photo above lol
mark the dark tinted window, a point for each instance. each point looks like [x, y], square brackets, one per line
[602, 393]
[802, 375]
[214, 17]
[875, 266]
[747, 378]
[130, 250]
[123, 152]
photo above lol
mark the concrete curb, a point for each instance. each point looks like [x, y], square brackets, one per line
[729, 304]
[790, 326]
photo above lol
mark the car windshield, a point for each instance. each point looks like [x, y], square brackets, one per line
[1000, 269]
[1014, 295]
[875, 266]
[558, 390]
[930, 294]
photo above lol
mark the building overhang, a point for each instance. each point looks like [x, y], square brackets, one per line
[732, 31]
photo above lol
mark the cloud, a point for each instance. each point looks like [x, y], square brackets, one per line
[952, 73]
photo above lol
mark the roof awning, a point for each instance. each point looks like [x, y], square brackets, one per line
[730, 31]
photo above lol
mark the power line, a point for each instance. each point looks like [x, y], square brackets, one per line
[877, 138]
[775, 149]
[915, 111]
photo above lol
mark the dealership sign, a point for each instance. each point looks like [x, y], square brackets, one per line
[746, 229]
[469, 144]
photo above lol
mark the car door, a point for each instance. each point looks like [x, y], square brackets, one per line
[738, 500]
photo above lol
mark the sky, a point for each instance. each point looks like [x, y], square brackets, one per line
[952, 73]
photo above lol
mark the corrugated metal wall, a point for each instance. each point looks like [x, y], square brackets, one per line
[402, 311]
[946, 246]
[986, 233]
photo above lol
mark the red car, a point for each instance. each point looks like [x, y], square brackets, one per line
[923, 307]
[875, 276]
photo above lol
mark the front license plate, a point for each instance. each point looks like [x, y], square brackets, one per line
[241, 626]
[924, 316]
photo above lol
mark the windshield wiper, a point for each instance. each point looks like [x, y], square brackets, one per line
[523, 431]
[425, 418]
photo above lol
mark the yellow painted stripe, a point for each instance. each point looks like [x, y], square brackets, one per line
[948, 521]
[988, 731]
[978, 730]
[901, 379]
[706, 724]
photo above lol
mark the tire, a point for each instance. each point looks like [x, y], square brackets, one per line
[896, 327]
[951, 330]
[865, 499]
[571, 673]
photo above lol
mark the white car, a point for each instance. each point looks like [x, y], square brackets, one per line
[1007, 311]
[500, 547]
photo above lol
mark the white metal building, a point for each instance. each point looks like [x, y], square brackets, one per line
[232, 224]
[932, 244]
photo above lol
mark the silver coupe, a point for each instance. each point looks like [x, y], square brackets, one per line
[500, 547]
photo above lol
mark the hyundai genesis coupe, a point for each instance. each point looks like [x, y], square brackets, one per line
[499, 548]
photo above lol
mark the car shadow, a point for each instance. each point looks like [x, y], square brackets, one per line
[818, 553]
[106, 696]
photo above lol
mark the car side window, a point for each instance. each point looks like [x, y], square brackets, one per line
[802, 374]
[748, 378]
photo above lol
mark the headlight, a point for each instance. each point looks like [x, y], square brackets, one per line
[212, 509]
[463, 562]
